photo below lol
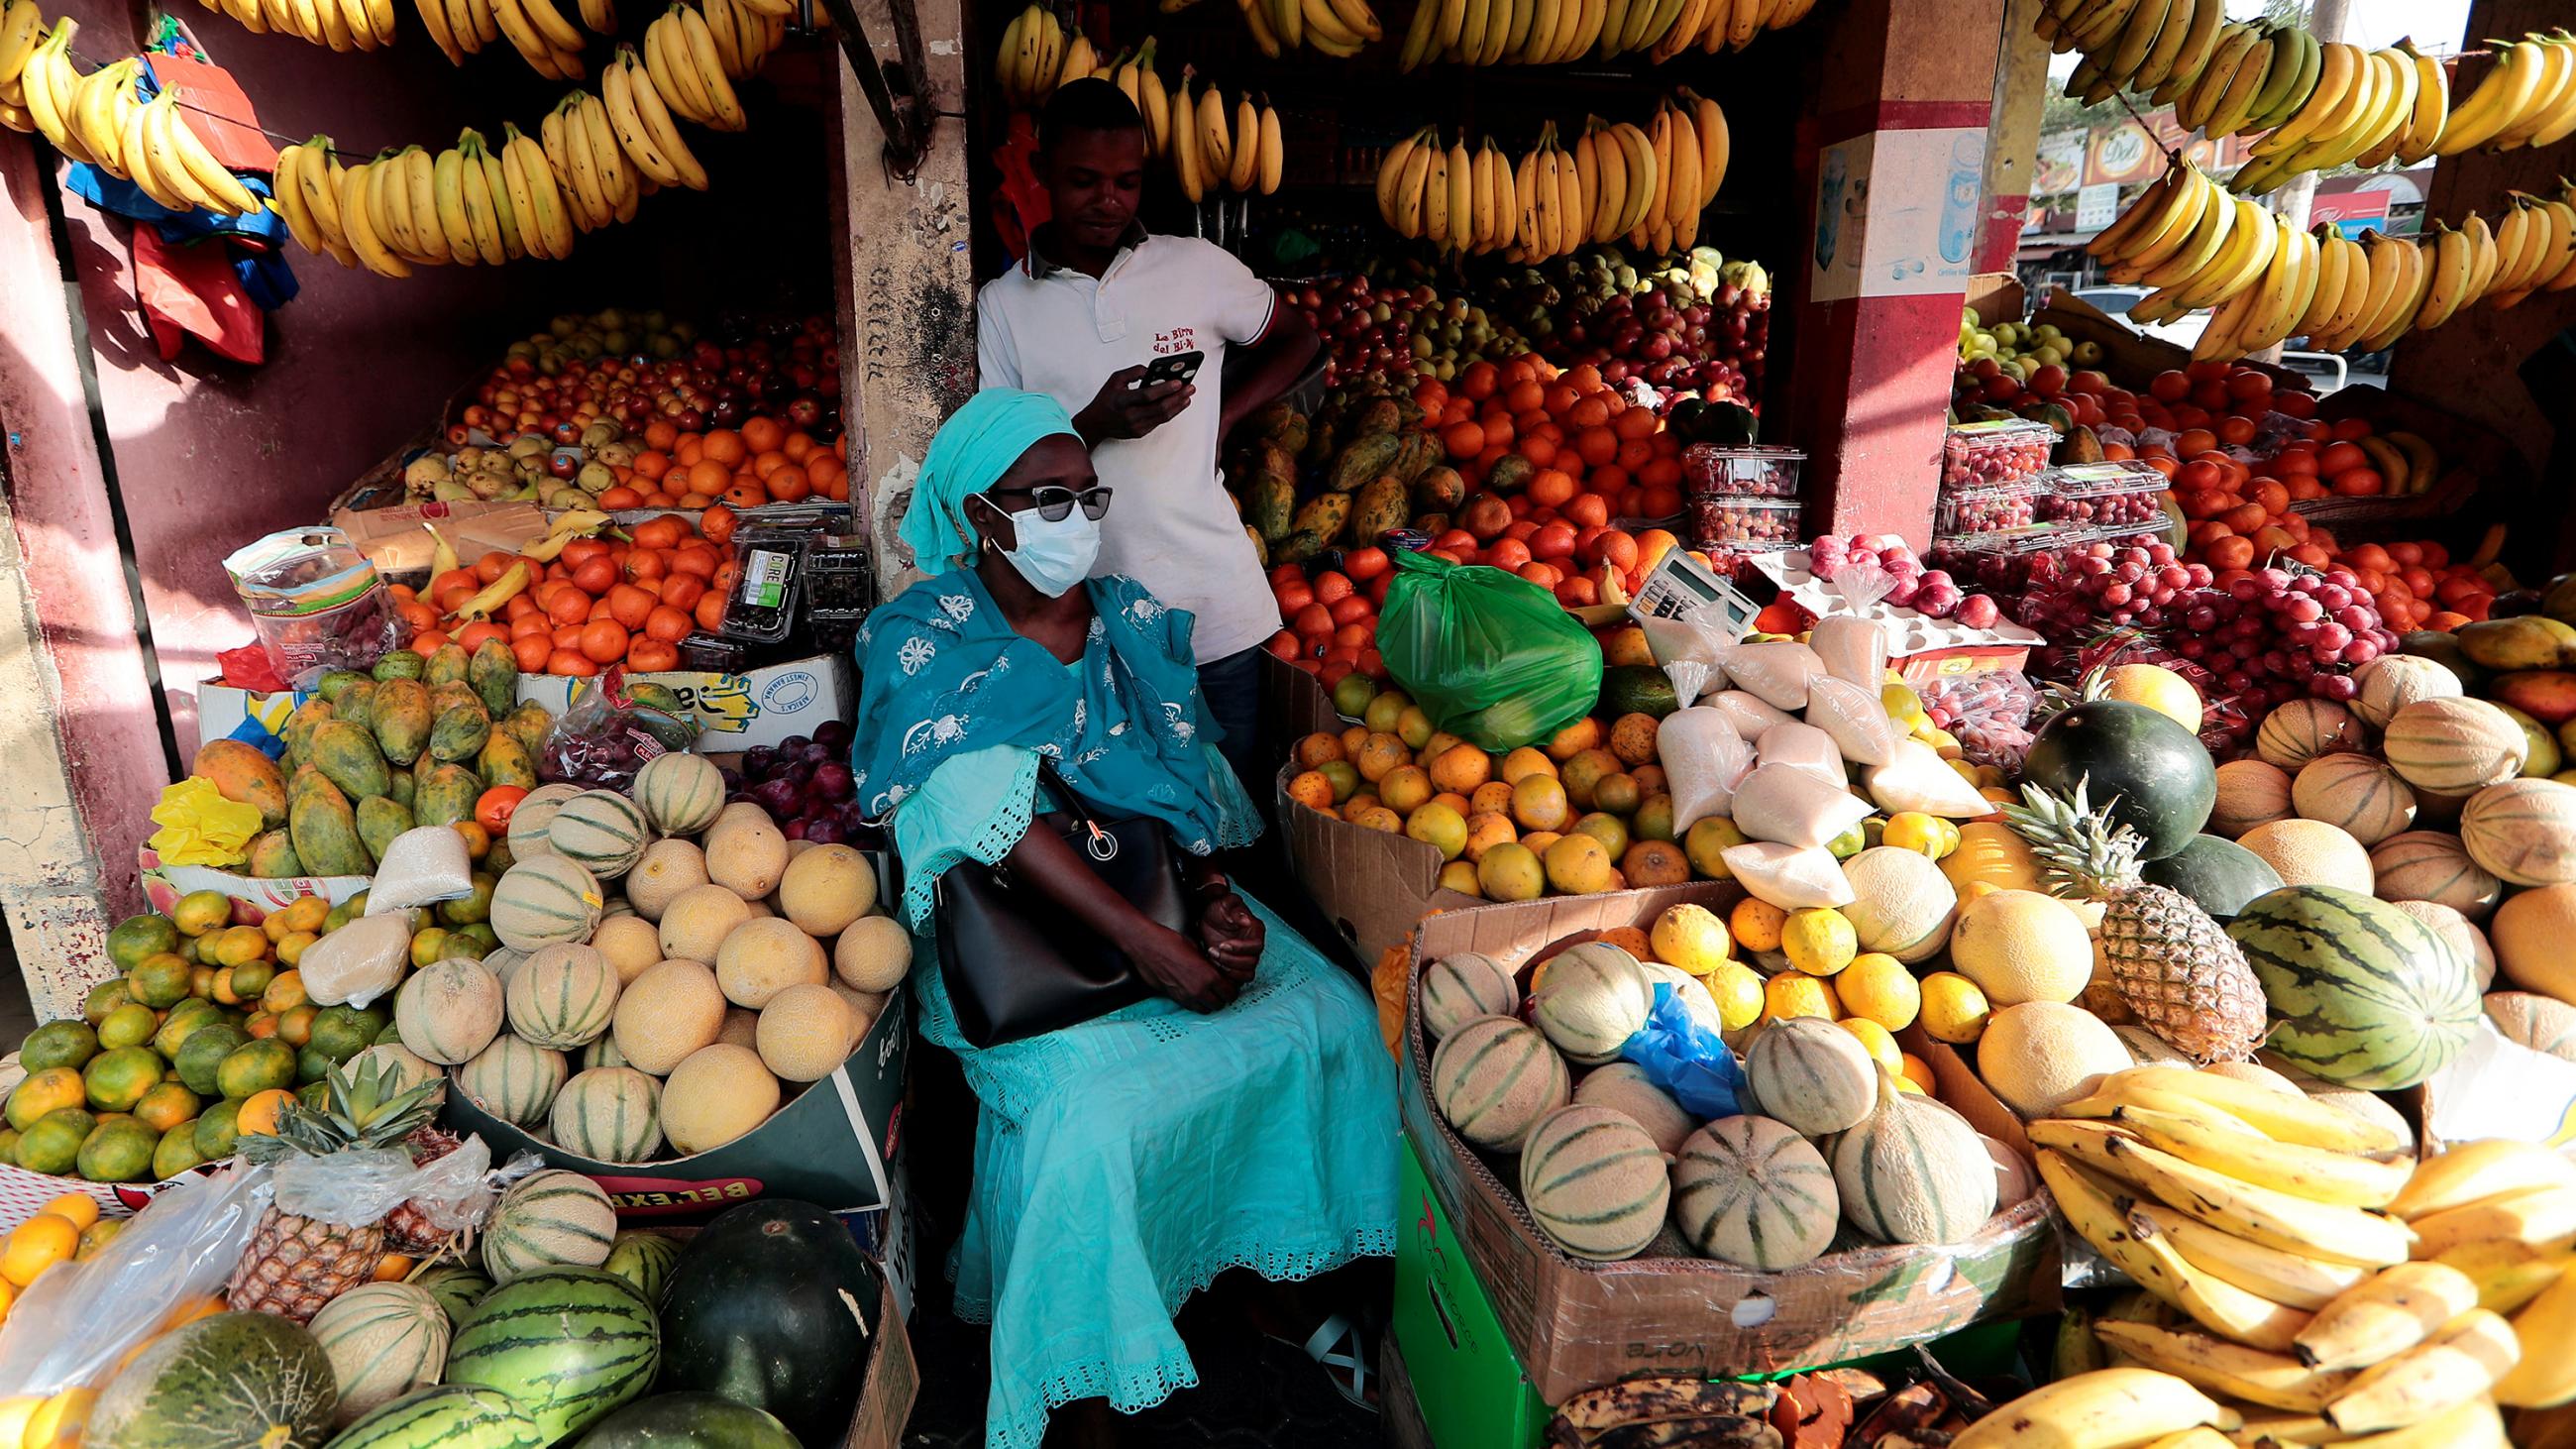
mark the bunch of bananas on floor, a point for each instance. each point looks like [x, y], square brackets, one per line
[1338, 28]
[1647, 184]
[98, 119]
[1550, 32]
[2320, 1285]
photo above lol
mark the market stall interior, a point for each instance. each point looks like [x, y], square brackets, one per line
[1936, 864]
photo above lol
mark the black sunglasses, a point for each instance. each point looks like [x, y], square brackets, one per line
[1055, 503]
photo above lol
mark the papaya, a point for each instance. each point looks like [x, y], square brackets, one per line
[1260, 545]
[444, 697]
[506, 760]
[1299, 546]
[347, 755]
[460, 732]
[1368, 456]
[1283, 425]
[494, 673]
[1422, 452]
[656, 696]
[335, 681]
[529, 722]
[498, 860]
[1439, 490]
[1270, 494]
[306, 783]
[2082, 445]
[245, 775]
[1377, 508]
[401, 791]
[379, 821]
[400, 664]
[1319, 442]
[325, 832]
[272, 856]
[298, 733]
[356, 704]
[1432, 524]
[402, 718]
[1380, 416]
[1324, 516]
[447, 666]
[445, 794]
[1511, 473]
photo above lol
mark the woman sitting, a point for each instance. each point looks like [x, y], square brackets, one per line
[1242, 1115]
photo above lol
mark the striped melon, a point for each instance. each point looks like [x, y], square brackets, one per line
[384, 1340]
[1589, 1000]
[2453, 745]
[2432, 865]
[604, 1052]
[1913, 1171]
[456, 1286]
[2361, 993]
[1812, 1075]
[2250, 793]
[1493, 1078]
[569, 1344]
[514, 1080]
[1459, 988]
[2465, 939]
[548, 1219]
[2303, 729]
[1902, 904]
[2542, 1023]
[2391, 682]
[1752, 1192]
[444, 1416]
[2524, 831]
[449, 1011]
[503, 962]
[2354, 793]
[603, 830]
[609, 1114]
[545, 901]
[228, 1381]
[1624, 1088]
[1595, 1182]
[680, 792]
[643, 1260]
[533, 816]
[563, 997]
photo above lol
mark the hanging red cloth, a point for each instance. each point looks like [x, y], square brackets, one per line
[194, 291]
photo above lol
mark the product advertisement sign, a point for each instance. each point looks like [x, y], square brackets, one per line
[1896, 213]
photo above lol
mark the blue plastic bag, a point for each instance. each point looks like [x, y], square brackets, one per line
[1691, 1063]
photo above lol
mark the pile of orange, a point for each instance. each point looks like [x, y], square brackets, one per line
[765, 461]
[1331, 619]
[597, 603]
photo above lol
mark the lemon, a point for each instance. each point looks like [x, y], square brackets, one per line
[1902, 703]
[1794, 993]
[1878, 987]
[1848, 844]
[1691, 938]
[1738, 992]
[1819, 940]
[1756, 924]
[1954, 1010]
[1915, 831]
[1875, 1039]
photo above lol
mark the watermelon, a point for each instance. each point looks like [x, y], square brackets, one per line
[2219, 875]
[444, 1416]
[774, 1306]
[569, 1344]
[688, 1421]
[229, 1381]
[2156, 776]
[456, 1286]
[644, 1260]
[2362, 994]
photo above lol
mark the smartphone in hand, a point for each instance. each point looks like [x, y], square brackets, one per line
[1178, 367]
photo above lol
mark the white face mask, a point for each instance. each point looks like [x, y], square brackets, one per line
[1053, 556]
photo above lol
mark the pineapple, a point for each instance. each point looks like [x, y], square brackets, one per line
[298, 1262]
[408, 1229]
[2170, 962]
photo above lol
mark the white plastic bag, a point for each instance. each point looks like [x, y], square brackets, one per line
[363, 1184]
[421, 866]
[1805, 747]
[1748, 712]
[1777, 671]
[1915, 777]
[1692, 656]
[1788, 877]
[1791, 806]
[358, 962]
[1703, 758]
[1854, 717]
[1854, 650]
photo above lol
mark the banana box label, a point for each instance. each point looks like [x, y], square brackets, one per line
[737, 711]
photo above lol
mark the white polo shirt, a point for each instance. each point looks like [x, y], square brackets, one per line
[1171, 525]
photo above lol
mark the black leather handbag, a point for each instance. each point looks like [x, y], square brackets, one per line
[1018, 965]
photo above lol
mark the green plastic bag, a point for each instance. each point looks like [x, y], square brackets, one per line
[1491, 658]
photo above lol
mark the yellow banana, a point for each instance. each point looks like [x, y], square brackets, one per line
[2238, 1150]
[2386, 1314]
[1216, 143]
[481, 220]
[22, 26]
[289, 199]
[699, 47]
[2128, 1406]
[1187, 162]
[2294, 1279]
[673, 78]
[2546, 1328]
[369, 248]
[2131, 1243]
[448, 179]
[2543, 1217]
[2454, 260]
[1274, 153]
[2295, 1224]
[137, 148]
[2275, 1380]
[505, 213]
[1461, 174]
[2511, 82]
[2458, 1364]
[2557, 78]
[654, 121]
[539, 181]
[1435, 197]
[1245, 168]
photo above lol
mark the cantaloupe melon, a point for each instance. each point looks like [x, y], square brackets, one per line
[696, 922]
[716, 1095]
[2452, 745]
[602, 1052]
[1462, 987]
[1493, 1078]
[504, 962]
[384, 1340]
[404, 1068]
[2015, 1179]
[514, 1080]
[740, 1028]
[1811, 1075]
[533, 815]
[742, 810]
[1752, 1192]
[761, 958]
[681, 792]
[1594, 1182]
[2022, 946]
[548, 1219]
[563, 997]
[2542, 1023]
[1690, 991]
[2467, 941]
[669, 1012]
[666, 868]
[1902, 904]
[2257, 1074]
[2531, 932]
[2523, 831]
[1624, 1088]
[804, 1033]
[1913, 1171]
[746, 857]
[603, 830]
[865, 1008]
[630, 943]
[2354, 793]
[544, 901]
[824, 889]
[2047, 1054]
[449, 1011]
[2311, 852]
[2250, 793]
[2391, 682]
[608, 1114]
[2432, 865]
[873, 955]
[2299, 731]
[1589, 1000]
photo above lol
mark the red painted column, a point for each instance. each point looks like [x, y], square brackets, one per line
[1875, 344]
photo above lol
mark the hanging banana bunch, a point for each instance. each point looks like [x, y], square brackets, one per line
[1215, 148]
[98, 119]
[1551, 32]
[1037, 55]
[1338, 28]
[1647, 184]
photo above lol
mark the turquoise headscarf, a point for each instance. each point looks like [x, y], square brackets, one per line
[970, 453]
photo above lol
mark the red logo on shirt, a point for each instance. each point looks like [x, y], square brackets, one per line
[1179, 339]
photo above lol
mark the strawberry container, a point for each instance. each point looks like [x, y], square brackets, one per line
[1746, 472]
[1987, 508]
[2002, 450]
[1740, 523]
[2096, 495]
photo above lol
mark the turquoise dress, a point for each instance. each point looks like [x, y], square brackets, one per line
[1121, 1164]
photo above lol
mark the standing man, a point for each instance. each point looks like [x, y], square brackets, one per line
[1084, 318]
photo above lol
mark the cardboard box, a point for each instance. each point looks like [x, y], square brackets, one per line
[1371, 885]
[253, 897]
[829, 1146]
[1464, 1386]
[398, 542]
[1403, 1415]
[1574, 1323]
[893, 1382]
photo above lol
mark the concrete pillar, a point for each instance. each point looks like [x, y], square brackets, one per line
[1895, 135]
[2012, 142]
[907, 319]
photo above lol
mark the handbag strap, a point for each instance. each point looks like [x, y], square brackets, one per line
[1094, 841]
